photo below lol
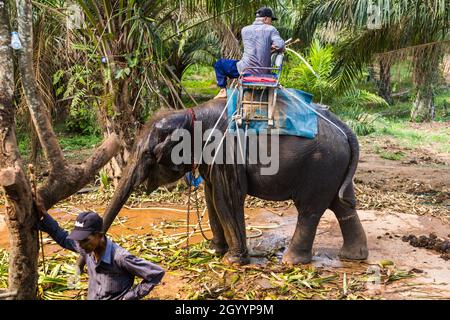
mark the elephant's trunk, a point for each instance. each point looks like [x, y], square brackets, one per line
[130, 179]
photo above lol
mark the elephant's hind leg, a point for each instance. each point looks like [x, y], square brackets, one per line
[355, 241]
[300, 248]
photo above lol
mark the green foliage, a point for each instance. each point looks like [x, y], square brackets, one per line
[349, 104]
[442, 104]
[362, 123]
[321, 59]
[70, 143]
[404, 29]
[77, 85]
[104, 181]
[324, 86]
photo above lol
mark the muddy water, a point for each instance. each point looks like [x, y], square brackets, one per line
[271, 230]
[129, 221]
[384, 232]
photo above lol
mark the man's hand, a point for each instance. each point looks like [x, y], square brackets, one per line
[39, 206]
[276, 49]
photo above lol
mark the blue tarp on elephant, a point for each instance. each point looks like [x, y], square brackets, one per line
[291, 116]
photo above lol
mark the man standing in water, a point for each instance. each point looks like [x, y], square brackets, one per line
[260, 39]
[111, 268]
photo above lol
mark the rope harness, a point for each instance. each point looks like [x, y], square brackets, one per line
[190, 182]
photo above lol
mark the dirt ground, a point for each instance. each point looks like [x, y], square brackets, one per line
[419, 180]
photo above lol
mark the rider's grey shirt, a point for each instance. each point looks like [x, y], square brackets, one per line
[112, 277]
[258, 39]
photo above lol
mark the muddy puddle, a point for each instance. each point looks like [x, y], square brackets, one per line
[270, 230]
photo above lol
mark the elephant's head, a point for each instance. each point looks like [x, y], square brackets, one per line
[150, 161]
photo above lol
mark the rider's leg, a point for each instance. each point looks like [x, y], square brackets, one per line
[225, 68]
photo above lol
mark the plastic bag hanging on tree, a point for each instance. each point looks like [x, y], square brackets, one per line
[15, 41]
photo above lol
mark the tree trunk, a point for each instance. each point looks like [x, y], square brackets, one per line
[426, 76]
[384, 85]
[123, 123]
[35, 147]
[20, 217]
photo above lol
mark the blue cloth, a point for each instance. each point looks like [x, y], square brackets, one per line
[112, 277]
[225, 68]
[290, 117]
[191, 180]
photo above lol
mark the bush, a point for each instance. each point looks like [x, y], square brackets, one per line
[77, 85]
[82, 120]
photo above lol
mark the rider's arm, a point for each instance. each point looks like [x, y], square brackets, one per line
[277, 41]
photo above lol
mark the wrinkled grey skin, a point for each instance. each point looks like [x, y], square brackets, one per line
[315, 173]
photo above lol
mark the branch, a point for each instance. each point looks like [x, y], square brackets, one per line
[63, 183]
[8, 177]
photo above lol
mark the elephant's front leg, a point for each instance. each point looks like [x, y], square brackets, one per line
[218, 242]
[228, 196]
[233, 222]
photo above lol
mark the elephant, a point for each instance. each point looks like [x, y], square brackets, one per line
[316, 174]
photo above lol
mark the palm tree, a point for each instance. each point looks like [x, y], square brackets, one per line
[390, 31]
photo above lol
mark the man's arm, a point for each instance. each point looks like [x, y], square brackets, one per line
[149, 272]
[49, 225]
[277, 41]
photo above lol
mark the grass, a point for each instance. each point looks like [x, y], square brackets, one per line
[76, 142]
[412, 138]
[396, 156]
[200, 81]
[68, 143]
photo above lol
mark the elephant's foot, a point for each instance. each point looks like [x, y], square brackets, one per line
[219, 248]
[292, 257]
[354, 252]
[236, 259]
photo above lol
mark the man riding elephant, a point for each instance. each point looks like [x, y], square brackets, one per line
[259, 39]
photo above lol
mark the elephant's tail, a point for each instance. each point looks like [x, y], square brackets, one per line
[346, 193]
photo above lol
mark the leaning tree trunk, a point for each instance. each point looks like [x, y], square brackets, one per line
[20, 216]
[384, 84]
[122, 122]
[426, 76]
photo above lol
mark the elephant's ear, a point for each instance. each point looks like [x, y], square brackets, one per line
[165, 128]
[163, 150]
